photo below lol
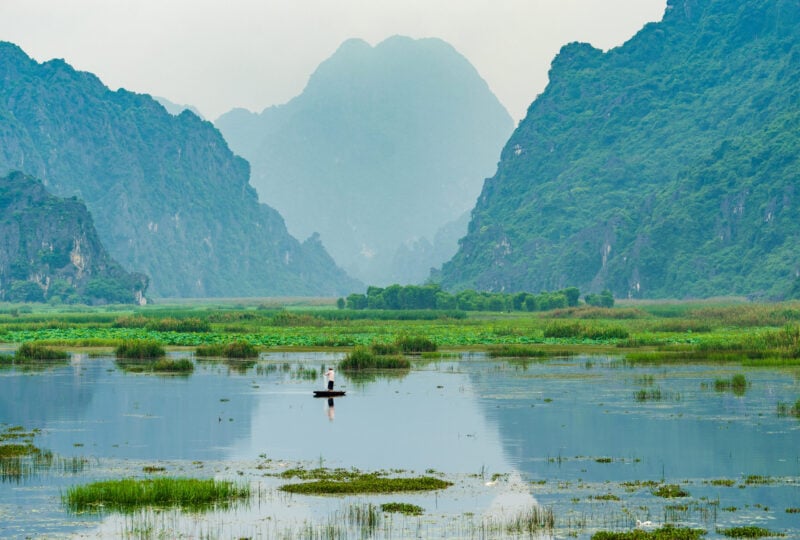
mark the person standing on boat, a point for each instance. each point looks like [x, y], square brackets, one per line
[329, 376]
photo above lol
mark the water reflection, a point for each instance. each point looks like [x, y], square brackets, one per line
[518, 434]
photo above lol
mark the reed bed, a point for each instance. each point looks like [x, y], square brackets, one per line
[236, 349]
[33, 351]
[139, 349]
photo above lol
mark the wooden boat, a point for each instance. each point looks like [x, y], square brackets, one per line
[328, 393]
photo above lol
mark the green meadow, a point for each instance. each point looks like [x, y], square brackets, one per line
[716, 331]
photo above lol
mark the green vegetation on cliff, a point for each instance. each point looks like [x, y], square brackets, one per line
[167, 195]
[666, 167]
[50, 251]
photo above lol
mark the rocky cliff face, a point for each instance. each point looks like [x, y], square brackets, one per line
[167, 195]
[385, 145]
[49, 250]
[664, 168]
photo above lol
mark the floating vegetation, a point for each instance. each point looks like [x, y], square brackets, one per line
[748, 532]
[525, 522]
[236, 349]
[667, 532]
[341, 481]
[757, 479]
[361, 358]
[606, 497]
[402, 508]
[129, 494]
[139, 349]
[727, 482]
[670, 491]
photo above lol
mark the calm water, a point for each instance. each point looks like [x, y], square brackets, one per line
[566, 434]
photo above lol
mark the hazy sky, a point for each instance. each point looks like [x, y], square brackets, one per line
[220, 54]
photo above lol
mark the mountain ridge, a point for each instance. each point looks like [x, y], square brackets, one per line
[661, 168]
[168, 196]
[384, 145]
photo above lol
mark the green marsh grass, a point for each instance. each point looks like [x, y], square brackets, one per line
[667, 532]
[349, 482]
[528, 351]
[670, 491]
[415, 344]
[236, 349]
[36, 352]
[407, 509]
[749, 531]
[362, 358]
[139, 349]
[130, 494]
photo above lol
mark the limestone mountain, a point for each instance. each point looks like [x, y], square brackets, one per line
[167, 195]
[666, 167]
[384, 146]
[49, 250]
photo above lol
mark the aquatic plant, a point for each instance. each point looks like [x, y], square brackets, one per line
[415, 344]
[354, 482]
[129, 494]
[667, 532]
[748, 532]
[236, 349]
[669, 491]
[139, 348]
[528, 351]
[402, 508]
[33, 351]
[365, 516]
[166, 365]
[652, 394]
[361, 358]
[737, 383]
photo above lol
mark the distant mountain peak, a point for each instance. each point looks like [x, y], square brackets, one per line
[386, 144]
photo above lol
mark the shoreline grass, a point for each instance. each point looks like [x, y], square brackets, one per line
[139, 349]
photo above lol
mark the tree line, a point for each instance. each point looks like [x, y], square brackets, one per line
[431, 296]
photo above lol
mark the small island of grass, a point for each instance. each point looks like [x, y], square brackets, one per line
[130, 494]
[351, 482]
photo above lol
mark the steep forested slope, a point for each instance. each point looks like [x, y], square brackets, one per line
[667, 167]
[49, 250]
[167, 195]
[385, 145]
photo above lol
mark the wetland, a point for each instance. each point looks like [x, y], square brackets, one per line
[512, 434]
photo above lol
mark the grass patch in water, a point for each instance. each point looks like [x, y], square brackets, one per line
[527, 351]
[181, 366]
[667, 532]
[139, 349]
[236, 349]
[727, 482]
[748, 532]
[343, 481]
[129, 494]
[670, 491]
[785, 410]
[407, 509]
[738, 384]
[361, 358]
[33, 351]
